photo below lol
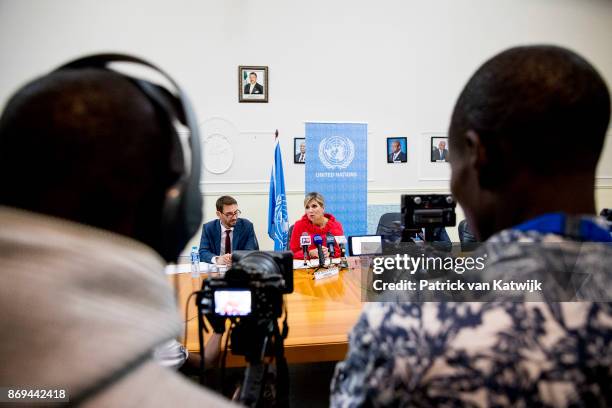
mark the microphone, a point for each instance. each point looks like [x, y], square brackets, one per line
[331, 247]
[305, 243]
[318, 241]
[341, 240]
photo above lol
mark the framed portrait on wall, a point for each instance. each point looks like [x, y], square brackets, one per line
[252, 84]
[439, 149]
[299, 150]
[397, 150]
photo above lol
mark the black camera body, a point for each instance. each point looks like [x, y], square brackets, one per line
[431, 212]
[250, 294]
[428, 210]
[252, 288]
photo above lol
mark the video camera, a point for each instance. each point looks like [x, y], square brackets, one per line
[250, 294]
[428, 211]
[252, 288]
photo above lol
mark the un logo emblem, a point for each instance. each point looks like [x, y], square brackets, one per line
[280, 218]
[336, 152]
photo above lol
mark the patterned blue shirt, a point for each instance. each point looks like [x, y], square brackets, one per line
[487, 354]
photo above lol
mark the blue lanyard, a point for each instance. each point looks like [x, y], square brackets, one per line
[557, 223]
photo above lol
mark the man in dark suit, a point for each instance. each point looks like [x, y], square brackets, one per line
[253, 87]
[227, 234]
[301, 156]
[441, 153]
[396, 155]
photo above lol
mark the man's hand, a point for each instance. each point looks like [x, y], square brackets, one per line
[224, 260]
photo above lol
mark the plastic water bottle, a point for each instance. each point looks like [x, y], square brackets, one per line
[195, 262]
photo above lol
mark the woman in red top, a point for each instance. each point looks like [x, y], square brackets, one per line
[314, 222]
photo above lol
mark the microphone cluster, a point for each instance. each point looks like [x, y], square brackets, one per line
[330, 241]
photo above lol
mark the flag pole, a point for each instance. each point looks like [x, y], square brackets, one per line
[277, 201]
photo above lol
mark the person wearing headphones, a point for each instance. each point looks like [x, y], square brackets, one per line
[95, 199]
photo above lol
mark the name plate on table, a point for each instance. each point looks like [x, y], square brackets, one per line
[326, 273]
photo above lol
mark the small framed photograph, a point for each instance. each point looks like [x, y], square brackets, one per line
[439, 149]
[397, 150]
[252, 84]
[299, 150]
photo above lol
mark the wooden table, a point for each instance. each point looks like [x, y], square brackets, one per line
[321, 314]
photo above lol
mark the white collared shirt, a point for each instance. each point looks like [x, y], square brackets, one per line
[222, 246]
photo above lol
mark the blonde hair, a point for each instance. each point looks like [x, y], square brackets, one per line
[316, 197]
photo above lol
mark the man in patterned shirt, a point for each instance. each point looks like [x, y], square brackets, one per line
[526, 134]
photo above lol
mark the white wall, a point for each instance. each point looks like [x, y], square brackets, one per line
[396, 64]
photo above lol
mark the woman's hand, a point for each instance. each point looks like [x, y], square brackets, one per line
[313, 253]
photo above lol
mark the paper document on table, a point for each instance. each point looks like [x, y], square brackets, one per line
[173, 269]
[313, 263]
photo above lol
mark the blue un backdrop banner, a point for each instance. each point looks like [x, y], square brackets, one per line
[337, 167]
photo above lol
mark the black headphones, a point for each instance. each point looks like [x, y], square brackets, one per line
[182, 211]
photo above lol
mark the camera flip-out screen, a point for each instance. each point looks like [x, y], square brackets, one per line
[232, 302]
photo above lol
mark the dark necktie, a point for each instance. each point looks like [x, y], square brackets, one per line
[228, 242]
